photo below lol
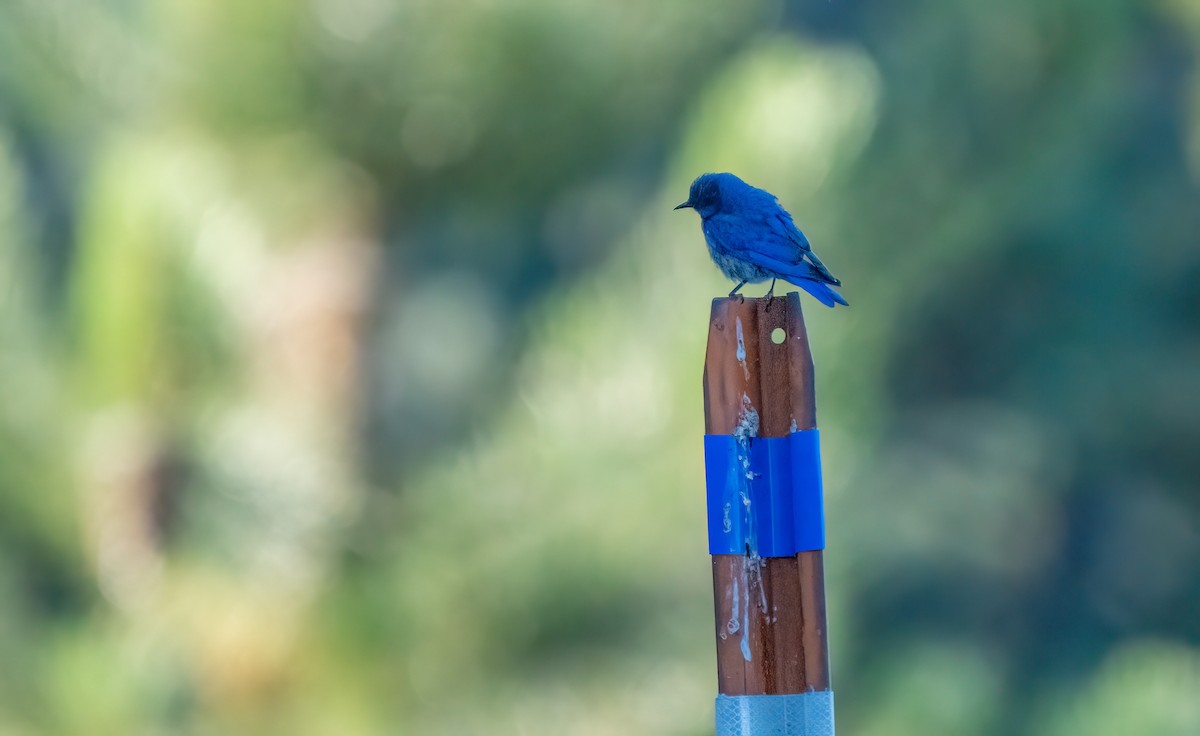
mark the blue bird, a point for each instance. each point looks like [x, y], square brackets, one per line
[752, 238]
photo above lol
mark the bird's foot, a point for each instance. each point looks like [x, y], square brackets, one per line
[770, 296]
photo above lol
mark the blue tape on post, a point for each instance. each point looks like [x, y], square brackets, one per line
[764, 494]
[804, 714]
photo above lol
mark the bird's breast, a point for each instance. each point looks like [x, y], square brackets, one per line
[728, 258]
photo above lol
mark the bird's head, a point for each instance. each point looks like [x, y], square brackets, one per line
[709, 192]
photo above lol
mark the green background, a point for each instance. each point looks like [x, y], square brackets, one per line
[350, 360]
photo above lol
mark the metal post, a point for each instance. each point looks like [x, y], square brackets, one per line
[772, 649]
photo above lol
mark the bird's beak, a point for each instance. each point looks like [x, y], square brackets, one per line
[681, 206]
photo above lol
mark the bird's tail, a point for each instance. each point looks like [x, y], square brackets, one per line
[822, 292]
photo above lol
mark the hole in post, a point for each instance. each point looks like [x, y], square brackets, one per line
[778, 335]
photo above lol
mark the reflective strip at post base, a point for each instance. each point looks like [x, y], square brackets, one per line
[803, 714]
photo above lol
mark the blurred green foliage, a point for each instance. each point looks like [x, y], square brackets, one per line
[351, 353]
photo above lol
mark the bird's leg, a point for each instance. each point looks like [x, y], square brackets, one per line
[770, 295]
[734, 293]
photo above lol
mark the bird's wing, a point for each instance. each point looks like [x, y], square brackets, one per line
[751, 238]
[782, 225]
[768, 236]
[755, 242]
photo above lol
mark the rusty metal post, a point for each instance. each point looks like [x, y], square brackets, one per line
[770, 611]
